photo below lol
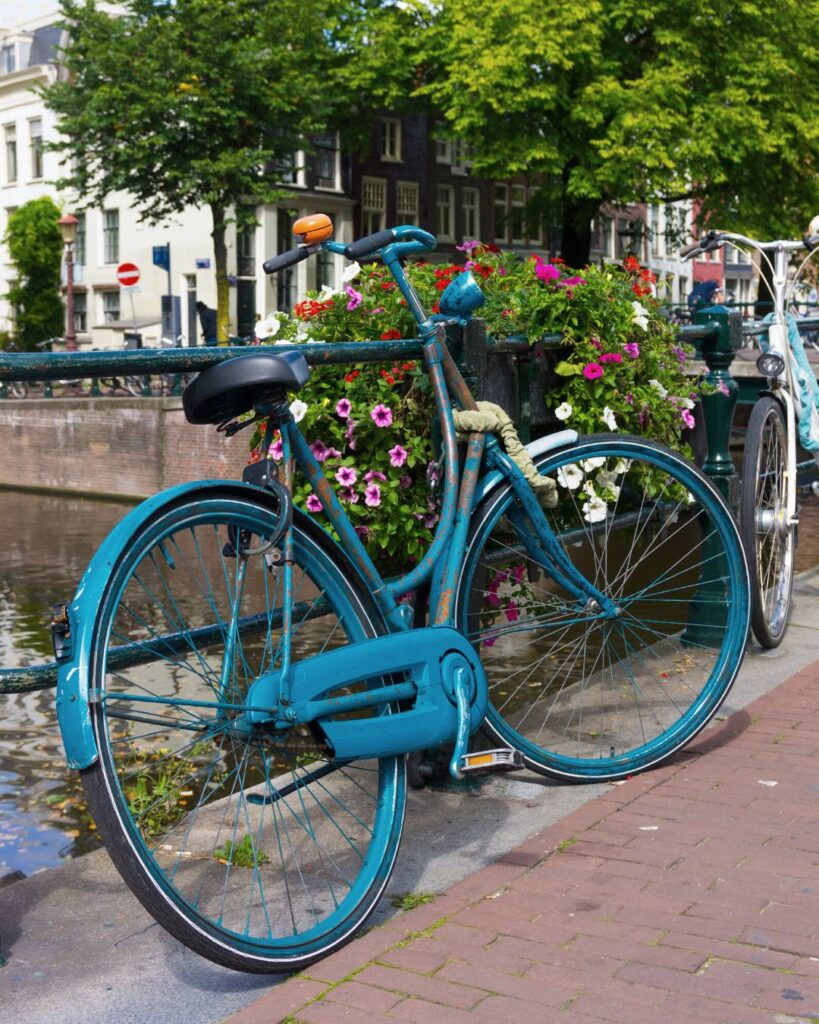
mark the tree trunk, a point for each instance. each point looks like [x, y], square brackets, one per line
[576, 231]
[220, 261]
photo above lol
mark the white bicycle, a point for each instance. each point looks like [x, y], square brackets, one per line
[784, 415]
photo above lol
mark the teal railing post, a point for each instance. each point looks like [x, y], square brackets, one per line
[707, 609]
[719, 397]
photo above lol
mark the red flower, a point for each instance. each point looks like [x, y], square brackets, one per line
[648, 275]
[350, 377]
[393, 332]
[442, 283]
[640, 290]
[631, 264]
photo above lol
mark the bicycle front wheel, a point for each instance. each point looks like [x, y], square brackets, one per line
[251, 845]
[770, 542]
[586, 693]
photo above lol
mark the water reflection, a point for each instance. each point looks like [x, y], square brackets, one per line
[45, 545]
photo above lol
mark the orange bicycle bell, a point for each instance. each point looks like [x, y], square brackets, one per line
[315, 228]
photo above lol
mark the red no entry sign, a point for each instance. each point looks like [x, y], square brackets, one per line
[127, 274]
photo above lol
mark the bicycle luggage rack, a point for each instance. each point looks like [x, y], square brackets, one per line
[508, 371]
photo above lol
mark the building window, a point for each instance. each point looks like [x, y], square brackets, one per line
[443, 151]
[110, 236]
[390, 138]
[8, 59]
[35, 134]
[407, 202]
[79, 244]
[470, 204]
[110, 307]
[326, 160]
[461, 158]
[81, 312]
[655, 231]
[325, 270]
[445, 212]
[518, 196]
[246, 251]
[373, 205]
[11, 153]
[501, 215]
[285, 279]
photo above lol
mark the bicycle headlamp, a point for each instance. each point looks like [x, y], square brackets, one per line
[770, 364]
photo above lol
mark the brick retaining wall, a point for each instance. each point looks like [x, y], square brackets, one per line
[124, 446]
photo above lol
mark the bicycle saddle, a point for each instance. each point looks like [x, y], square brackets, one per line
[237, 385]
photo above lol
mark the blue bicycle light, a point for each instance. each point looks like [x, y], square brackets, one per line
[462, 296]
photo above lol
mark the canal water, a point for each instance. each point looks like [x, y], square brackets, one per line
[45, 545]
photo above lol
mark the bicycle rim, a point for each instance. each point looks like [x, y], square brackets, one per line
[257, 851]
[769, 540]
[590, 694]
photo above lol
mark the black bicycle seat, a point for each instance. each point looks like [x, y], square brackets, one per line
[237, 385]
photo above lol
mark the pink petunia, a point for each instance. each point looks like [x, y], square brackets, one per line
[632, 349]
[372, 495]
[611, 357]
[356, 298]
[512, 613]
[381, 416]
[343, 408]
[405, 482]
[398, 455]
[346, 476]
[591, 371]
[276, 450]
[547, 272]
[688, 419]
[373, 474]
[313, 503]
[350, 495]
[320, 450]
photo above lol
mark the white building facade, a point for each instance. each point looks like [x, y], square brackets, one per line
[103, 311]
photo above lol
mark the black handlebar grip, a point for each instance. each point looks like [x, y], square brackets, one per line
[286, 259]
[689, 250]
[364, 246]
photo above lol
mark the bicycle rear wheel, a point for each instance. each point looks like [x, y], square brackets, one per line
[589, 695]
[770, 543]
[251, 846]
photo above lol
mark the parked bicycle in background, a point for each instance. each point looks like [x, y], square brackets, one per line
[785, 415]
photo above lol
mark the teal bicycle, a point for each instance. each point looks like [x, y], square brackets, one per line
[240, 690]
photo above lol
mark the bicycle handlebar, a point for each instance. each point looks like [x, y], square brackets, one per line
[369, 243]
[288, 259]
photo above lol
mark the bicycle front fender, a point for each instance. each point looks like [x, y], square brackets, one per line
[74, 695]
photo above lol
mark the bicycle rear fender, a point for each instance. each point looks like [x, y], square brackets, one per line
[74, 653]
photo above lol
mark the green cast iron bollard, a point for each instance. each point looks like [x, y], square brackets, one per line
[720, 399]
[95, 388]
[708, 607]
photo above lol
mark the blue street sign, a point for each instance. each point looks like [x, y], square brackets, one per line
[203, 264]
[162, 256]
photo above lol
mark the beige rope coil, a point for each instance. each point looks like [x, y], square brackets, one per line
[491, 419]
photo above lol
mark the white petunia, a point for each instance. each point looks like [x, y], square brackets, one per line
[607, 481]
[302, 331]
[298, 409]
[659, 387]
[268, 328]
[563, 411]
[570, 476]
[350, 272]
[327, 293]
[595, 463]
[607, 416]
[622, 466]
[640, 315]
[588, 488]
[594, 510]
[685, 403]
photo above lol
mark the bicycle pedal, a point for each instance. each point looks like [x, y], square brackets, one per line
[491, 762]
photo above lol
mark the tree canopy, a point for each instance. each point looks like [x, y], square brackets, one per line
[637, 101]
[193, 103]
[35, 247]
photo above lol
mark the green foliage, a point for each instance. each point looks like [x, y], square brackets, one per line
[242, 854]
[638, 101]
[370, 425]
[35, 250]
[409, 900]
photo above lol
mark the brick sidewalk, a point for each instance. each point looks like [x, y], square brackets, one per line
[688, 895]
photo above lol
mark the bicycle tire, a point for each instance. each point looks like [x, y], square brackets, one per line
[770, 543]
[264, 886]
[583, 696]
